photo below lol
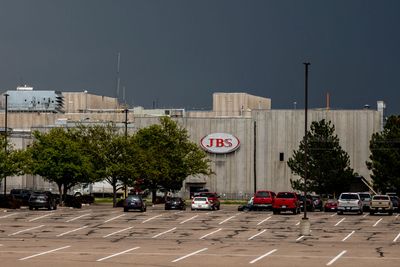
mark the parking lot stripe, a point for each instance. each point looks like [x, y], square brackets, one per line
[119, 231]
[37, 218]
[25, 230]
[190, 254]
[264, 220]
[157, 235]
[333, 214]
[263, 256]
[378, 221]
[117, 254]
[340, 221]
[300, 238]
[77, 229]
[195, 216]
[365, 215]
[114, 218]
[227, 219]
[8, 215]
[250, 238]
[76, 218]
[336, 258]
[344, 239]
[42, 253]
[397, 237]
[152, 218]
[298, 223]
[204, 236]
[397, 216]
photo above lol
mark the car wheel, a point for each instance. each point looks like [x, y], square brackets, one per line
[340, 212]
[36, 208]
[371, 212]
[30, 208]
[390, 213]
[218, 207]
[294, 211]
[361, 212]
[125, 209]
[55, 207]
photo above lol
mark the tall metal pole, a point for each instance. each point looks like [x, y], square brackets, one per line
[255, 157]
[305, 139]
[126, 122]
[5, 140]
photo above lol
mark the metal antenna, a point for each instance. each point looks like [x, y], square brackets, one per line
[118, 79]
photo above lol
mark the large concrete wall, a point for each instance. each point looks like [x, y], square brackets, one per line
[277, 131]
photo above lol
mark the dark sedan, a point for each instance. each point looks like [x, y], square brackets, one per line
[42, 199]
[176, 203]
[134, 202]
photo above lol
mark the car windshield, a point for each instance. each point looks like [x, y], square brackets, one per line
[380, 198]
[133, 197]
[200, 199]
[349, 196]
[285, 195]
[262, 194]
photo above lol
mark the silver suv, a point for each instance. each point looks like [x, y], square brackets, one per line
[349, 202]
[366, 199]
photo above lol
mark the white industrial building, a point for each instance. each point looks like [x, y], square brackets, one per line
[264, 138]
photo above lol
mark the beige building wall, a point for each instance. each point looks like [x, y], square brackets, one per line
[83, 101]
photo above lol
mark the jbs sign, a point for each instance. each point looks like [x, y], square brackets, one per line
[220, 143]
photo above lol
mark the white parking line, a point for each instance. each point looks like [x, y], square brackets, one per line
[264, 220]
[333, 214]
[109, 220]
[118, 232]
[8, 215]
[397, 216]
[250, 238]
[298, 223]
[37, 218]
[378, 221]
[204, 236]
[336, 258]
[344, 239]
[195, 216]
[178, 212]
[152, 218]
[42, 253]
[116, 254]
[157, 235]
[263, 256]
[340, 221]
[397, 237]
[190, 254]
[77, 229]
[25, 230]
[365, 215]
[300, 238]
[227, 219]
[76, 218]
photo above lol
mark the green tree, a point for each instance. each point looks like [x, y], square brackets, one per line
[10, 159]
[328, 165]
[166, 156]
[58, 158]
[385, 156]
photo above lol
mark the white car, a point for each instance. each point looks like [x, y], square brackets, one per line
[201, 203]
[350, 202]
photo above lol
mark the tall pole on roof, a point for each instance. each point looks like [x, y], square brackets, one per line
[5, 140]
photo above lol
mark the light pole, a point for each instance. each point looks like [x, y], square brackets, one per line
[5, 140]
[305, 223]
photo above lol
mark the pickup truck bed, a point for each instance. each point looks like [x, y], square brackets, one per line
[381, 203]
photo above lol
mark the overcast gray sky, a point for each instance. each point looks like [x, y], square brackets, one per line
[178, 52]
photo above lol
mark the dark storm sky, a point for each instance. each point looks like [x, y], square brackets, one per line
[178, 52]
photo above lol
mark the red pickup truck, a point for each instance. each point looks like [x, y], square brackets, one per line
[286, 201]
[263, 199]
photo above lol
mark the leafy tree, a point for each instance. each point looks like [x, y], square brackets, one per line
[10, 159]
[58, 158]
[166, 156]
[328, 166]
[385, 156]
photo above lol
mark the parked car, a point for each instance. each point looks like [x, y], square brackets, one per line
[9, 202]
[286, 201]
[366, 199]
[21, 194]
[175, 203]
[134, 202]
[201, 203]
[248, 206]
[317, 202]
[349, 202]
[42, 199]
[395, 202]
[212, 197]
[381, 203]
[331, 205]
[309, 203]
[263, 199]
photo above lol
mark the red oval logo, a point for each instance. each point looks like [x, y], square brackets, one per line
[220, 143]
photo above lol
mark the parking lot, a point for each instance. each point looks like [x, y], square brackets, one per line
[99, 235]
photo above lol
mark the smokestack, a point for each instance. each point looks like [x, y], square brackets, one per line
[328, 101]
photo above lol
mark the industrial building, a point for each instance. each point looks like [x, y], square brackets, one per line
[260, 139]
